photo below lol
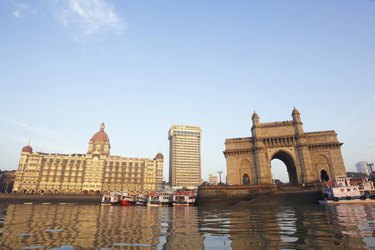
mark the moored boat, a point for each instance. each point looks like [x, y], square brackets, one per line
[127, 200]
[141, 200]
[345, 190]
[159, 199]
[183, 198]
[106, 200]
[118, 198]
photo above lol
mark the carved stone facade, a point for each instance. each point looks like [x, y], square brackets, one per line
[309, 157]
[94, 172]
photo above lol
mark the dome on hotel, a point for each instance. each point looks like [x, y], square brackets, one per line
[159, 156]
[27, 149]
[100, 136]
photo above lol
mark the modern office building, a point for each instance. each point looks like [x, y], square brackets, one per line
[364, 167]
[96, 172]
[184, 156]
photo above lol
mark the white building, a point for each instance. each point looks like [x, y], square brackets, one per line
[212, 179]
[184, 156]
[364, 167]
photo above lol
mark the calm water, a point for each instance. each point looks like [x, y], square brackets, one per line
[259, 227]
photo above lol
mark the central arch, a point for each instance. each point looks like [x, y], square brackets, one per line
[290, 165]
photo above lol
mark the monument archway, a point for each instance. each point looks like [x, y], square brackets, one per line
[245, 180]
[324, 175]
[308, 156]
[288, 160]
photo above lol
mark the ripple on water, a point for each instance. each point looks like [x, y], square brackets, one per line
[65, 247]
[122, 244]
[33, 247]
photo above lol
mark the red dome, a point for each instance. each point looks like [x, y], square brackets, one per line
[27, 149]
[159, 156]
[100, 136]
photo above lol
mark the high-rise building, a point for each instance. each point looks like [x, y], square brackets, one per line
[184, 156]
[364, 167]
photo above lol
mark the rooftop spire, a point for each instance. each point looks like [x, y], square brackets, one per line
[102, 126]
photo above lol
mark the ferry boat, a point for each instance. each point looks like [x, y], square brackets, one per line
[127, 200]
[346, 190]
[141, 200]
[118, 198]
[159, 199]
[106, 200]
[183, 198]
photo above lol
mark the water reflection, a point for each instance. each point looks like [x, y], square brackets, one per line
[72, 226]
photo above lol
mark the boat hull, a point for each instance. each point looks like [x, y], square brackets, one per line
[126, 203]
[353, 201]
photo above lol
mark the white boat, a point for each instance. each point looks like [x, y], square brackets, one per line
[118, 198]
[352, 201]
[141, 200]
[345, 190]
[159, 199]
[183, 198]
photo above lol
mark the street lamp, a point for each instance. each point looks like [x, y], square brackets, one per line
[220, 176]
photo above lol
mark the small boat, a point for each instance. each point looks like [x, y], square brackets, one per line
[118, 198]
[159, 199]
[141, 200]
[183, 198]
[106, 200]
[345, 190]
[127, 200]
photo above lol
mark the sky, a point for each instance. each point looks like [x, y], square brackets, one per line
[140, 66]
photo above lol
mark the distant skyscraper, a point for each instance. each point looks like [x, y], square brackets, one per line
[184, 156]
[364, 167]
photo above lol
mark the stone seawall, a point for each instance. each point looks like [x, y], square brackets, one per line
[53, 198]
[229, 195]
[257, 194]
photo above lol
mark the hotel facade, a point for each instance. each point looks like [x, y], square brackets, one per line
[96, 172]
[184, 156]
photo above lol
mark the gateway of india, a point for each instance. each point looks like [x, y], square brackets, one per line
[96, 172]
[308, 156]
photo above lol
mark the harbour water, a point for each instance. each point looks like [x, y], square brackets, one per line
[77, 226]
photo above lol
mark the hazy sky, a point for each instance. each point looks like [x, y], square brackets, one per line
[141, 66]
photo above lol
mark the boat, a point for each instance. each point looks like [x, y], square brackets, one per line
[345, 190]
[183, 198]
[127, 200]
[106, 200]
[118, 198]
[141, 200]
[159, 199]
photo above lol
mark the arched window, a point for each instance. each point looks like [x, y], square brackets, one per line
[245, 180]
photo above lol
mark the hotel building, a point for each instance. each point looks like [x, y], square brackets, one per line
[96, 172]
[184, 156]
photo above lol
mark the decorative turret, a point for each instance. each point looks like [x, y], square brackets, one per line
[99, 143]
[296, 115]
[255, 119]
[297, 121]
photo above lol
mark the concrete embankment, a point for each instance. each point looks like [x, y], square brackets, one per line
[53, 198]
[230, 195]
[240, 195]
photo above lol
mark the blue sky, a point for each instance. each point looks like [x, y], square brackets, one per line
[141, 66]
